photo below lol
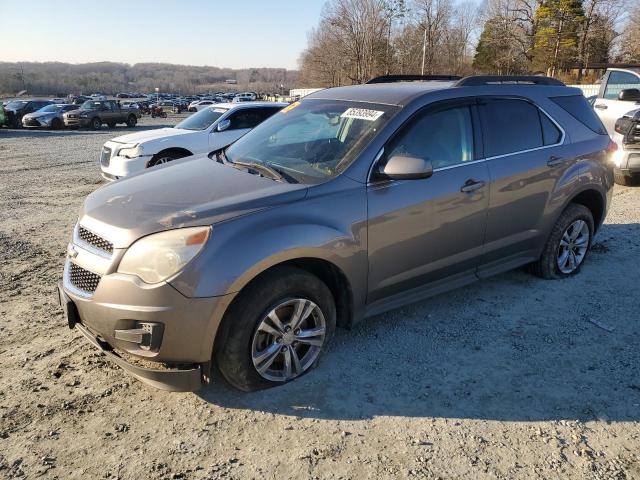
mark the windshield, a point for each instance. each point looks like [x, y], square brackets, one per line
[91, 105]
[201, 120]
[51, 108]
[16, 104]
[312, 140]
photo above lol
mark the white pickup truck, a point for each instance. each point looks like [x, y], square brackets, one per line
[619, 97]
[210, 129]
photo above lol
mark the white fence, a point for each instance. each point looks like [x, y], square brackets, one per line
[588, 90]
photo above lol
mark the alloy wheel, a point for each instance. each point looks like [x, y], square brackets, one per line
[573, 246]
[288, 340]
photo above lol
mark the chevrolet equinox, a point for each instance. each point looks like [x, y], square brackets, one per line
[353, 201]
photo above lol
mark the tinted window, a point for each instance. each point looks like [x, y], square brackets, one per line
[550, 133]
[445, 137]
[510, 126]
[579, 108]
[246, 118]
[619, 81]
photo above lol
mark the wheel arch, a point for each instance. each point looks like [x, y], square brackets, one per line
[592, 199]
[180, 150]
[327, 271]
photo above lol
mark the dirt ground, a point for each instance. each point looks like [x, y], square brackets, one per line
[511, 378]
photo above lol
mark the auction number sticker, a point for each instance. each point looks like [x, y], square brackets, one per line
[362, 114]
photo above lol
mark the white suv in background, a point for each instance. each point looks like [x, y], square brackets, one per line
[620, 94]
[208, 130]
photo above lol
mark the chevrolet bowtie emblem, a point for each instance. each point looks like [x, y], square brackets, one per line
[71, 251]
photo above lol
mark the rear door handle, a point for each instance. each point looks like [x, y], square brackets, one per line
[472, 185]
[600, 106]
[554, 161]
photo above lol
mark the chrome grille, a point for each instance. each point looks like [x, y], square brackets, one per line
[83, 279]
[105, 156]
[94, 240]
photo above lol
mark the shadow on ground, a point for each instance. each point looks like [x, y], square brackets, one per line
[512, 348]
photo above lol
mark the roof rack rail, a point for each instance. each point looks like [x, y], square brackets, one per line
[411, 78]
[478, 80]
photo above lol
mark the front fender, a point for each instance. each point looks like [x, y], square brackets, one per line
[330, 228]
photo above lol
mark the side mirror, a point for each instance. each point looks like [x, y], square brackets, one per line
[404, 167]
[223, 125]
[629, 95]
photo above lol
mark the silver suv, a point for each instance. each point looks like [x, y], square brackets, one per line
[351, 202]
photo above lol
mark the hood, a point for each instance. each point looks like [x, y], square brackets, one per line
[186, 192]
[41, 114]
[147, 135]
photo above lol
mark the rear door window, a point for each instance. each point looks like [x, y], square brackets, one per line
[510, 126]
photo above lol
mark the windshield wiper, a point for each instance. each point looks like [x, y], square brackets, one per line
[261, 167]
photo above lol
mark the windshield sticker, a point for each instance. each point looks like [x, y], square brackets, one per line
[289, 107]
[362, 114]
[219, 110]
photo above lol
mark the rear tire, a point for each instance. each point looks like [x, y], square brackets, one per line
[132, 121]
[244, 339]
[551, 264]
[625, 180]
[56, 124]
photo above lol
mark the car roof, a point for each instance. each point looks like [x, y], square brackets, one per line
[229, 105]
[399, 93]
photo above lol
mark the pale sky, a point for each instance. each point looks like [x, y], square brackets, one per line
[222, 33]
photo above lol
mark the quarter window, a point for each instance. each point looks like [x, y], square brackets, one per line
[445, 137]
[619, 81]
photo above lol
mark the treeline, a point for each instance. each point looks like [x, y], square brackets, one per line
[108, 77]
[359, 39]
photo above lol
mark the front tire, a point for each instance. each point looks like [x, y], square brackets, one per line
[96, 124]
[568, 244]
[276, 330]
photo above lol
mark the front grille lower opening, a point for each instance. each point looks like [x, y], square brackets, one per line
[83, 279]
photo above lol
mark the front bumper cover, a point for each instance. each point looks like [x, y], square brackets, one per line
[187, 379]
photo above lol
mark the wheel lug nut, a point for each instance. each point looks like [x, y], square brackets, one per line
[297, 332]
[279, 339]
[283, 349]
[287, 328]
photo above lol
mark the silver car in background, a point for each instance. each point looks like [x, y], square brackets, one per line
[50, 116]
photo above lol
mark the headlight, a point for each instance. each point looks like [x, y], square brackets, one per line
[161, 255]
[130, 151]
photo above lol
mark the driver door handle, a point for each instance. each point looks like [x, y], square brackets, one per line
[600, 106]
[471, 185]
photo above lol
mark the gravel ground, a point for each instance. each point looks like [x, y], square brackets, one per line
[514, 377]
